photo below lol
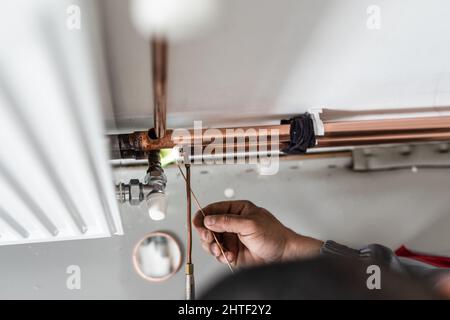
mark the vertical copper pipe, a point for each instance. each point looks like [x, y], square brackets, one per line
[190, 282]
[188, 220]
[159, 76]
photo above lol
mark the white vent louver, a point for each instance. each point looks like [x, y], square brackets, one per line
[55, 182]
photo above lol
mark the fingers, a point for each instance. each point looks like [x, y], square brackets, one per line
[198, 220]
[229, 219]
[206, 247]
[214, 250]
[229, 255]
[205, 234]
[228, 207]
[230, 223]
[217, 253]
[224, 217]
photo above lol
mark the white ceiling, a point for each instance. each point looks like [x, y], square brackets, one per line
[264, 59]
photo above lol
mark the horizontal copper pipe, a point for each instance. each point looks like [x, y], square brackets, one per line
[141, 141]
[318, 155]
[337, 134]
[373, 126]
[237, 148]
[351, 140]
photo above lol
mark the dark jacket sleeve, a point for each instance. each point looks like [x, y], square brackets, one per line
[379, 254]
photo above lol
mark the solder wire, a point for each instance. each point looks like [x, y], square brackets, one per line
[204, 215]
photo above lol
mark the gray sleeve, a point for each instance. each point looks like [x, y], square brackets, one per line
[379, 254]
[333, 248]
[370, 253]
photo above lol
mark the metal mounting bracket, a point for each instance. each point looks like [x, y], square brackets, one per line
[425, 155]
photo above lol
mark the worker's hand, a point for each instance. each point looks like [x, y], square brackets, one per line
[250, 235]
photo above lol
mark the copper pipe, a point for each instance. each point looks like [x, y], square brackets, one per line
[237, 147]
[204, 215]
[189, 219]
[331, 141]
[249, 138]
[234, 134]
[141, 141]
[190, 283]
[318, 155]
[406, 124]
[159, 77]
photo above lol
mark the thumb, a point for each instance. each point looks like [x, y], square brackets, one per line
[230, 223]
